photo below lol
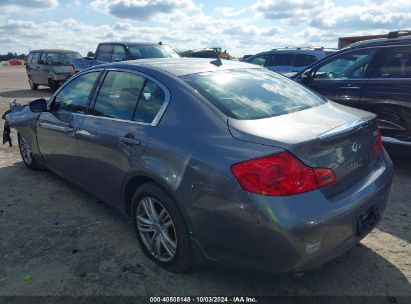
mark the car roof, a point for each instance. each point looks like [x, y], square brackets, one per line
[181, 66]
[380, 42]
[131, 43]
[54, 51]
[401, 40]
[294, 51]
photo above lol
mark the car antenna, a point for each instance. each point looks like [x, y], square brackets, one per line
[217, 62]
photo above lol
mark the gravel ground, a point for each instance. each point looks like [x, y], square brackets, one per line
[71, 244]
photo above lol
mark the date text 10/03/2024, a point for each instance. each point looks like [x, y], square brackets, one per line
[203, 300]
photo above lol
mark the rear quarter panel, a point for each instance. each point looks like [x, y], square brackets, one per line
[190, 153]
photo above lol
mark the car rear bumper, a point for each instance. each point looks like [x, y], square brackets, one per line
[301, 232]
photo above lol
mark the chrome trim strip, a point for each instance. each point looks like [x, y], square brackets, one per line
[347, 127]
[391, 140]
[157, 118]
[49, 126]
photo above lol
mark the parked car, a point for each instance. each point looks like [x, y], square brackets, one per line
[201, 53]
[245, 57]
[207, 53]
[373, 75]
[288, 61]
[121, 51]
[50, 67]
[254, 171]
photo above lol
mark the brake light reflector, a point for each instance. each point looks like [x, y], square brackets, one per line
[378, 144]
[280, 174]
[324, 176]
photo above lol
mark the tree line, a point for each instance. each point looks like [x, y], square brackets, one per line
[11, 55]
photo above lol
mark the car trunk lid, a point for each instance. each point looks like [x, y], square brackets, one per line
[327, 136]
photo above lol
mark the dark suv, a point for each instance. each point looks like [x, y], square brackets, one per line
[374, 75]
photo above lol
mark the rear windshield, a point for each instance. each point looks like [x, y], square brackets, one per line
[151, 51]
[252, 93]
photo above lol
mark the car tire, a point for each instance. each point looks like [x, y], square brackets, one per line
[33, 85]
[27, 154]
[53, 85]
[157, 235]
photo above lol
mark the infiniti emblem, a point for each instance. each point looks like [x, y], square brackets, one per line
[356, 146]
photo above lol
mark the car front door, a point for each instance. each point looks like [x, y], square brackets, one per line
[343, 77]
[57, 128]
[113, 137]
[388, 92]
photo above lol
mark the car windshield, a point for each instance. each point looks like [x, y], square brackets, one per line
[61, 58]
[151, 51]
[253, 93]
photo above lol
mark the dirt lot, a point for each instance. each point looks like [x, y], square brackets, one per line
[73, 245]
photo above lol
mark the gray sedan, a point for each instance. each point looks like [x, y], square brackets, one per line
[214, 161]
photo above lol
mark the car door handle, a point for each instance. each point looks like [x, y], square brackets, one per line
[130, 141]
[350, 88]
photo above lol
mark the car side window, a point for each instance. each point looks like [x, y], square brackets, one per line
[395, 63]
[150, 102]
[352, 65]
[119, 53]
[303, 60]
[104, 52]
[74, 97]
[118, 95]
[281, 60]
[43, 58]
[35, 58]
[260, 60]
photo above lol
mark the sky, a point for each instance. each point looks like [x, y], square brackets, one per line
[242, 26]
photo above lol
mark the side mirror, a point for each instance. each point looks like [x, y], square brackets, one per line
[306, 77]
[38, 105]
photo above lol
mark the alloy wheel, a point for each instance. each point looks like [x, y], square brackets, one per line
[26, 152]
[156, 229]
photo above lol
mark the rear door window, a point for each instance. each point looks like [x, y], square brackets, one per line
[150, 102]
[74, 97]
[395, 63]
[281, 60]
[303, 60]
[118, 95]
[104, 52]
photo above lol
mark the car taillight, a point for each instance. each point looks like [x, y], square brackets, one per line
[280, 174]
[378, 144]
